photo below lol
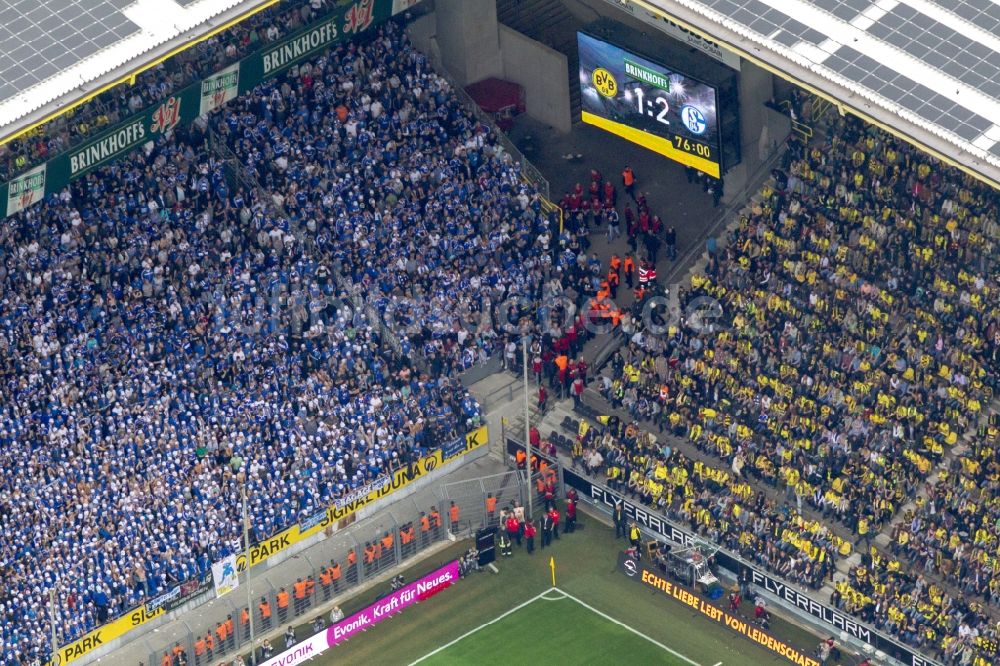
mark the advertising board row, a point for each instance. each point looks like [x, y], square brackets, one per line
[363, 620]
[638, 571]
[272, 546]
[655, 522]
[199, 98]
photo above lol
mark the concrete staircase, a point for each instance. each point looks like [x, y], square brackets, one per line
[548, 22]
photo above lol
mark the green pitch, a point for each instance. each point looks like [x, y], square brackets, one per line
[554, 628]
[515, 617]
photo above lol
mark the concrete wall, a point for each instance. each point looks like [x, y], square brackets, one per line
[423, 34]
[756, 88]
[542, 72]
[759, 130]
[467, 36]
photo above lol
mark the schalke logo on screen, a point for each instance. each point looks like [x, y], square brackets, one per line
[604, 82]
[694, 119]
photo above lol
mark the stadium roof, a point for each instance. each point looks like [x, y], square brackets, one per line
[926, 69]
[54, 53]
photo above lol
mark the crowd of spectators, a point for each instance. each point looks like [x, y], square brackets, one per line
[169, 337]
[422, 211]
[157, 83]
[906, 604]
[953, 531]
[843, 341]
[419, 210]
[717, 503]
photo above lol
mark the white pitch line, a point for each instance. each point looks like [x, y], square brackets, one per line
[566, 595]
[634, 631]
[545, 594]
[484, 625]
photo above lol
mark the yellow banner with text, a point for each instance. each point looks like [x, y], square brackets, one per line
[283, 540]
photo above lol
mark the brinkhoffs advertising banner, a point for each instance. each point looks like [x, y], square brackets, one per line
[384, 608]
[280, 542]
[26, 189]
[342, 23]
[219, 88]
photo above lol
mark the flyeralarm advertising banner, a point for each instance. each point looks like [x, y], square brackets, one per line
[655, 522]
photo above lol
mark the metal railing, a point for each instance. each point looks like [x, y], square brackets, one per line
[224, 152]
[472, 494]
[283, 598]
[801, 129]
[302, 588]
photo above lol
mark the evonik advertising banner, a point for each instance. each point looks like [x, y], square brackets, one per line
[389, 605]
[384, 608]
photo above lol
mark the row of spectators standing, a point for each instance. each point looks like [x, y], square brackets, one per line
[598, 207]
[171, 338]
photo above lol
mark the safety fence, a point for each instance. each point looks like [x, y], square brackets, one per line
[287, 596]
[475, 495]
[278, 546]
[341, 566]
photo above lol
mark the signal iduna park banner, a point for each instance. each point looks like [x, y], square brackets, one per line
[282, 541]
[649, 104]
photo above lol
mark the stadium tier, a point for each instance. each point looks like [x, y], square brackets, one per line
[150, 370]
[281, 298]
[857, 337]
[154, 85]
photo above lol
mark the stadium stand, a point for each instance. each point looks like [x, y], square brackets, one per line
[153, 319]
[854, 344]
[422, 210]
[716, 503]
[168, 334]
[156, 84]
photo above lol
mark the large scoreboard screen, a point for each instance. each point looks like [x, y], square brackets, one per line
[649, 104]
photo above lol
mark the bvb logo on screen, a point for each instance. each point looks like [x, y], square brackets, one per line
[605, 82]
